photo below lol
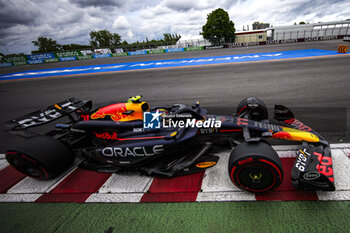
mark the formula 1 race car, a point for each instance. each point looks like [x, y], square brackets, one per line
[169, 141]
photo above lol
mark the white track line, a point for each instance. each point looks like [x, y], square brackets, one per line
[126, 183]
[347, 152]
[341, 167]
[216, 178]
[226, 196]
[340, 146]
[3, 163]
[19, 197]
[334, 196]
[115, 197]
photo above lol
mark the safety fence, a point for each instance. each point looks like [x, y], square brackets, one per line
[279, 36]
[286, 41]
[275, 37]
[82, 55]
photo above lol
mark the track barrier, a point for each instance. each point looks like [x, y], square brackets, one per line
[342, 48]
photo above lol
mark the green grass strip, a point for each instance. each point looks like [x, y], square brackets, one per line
[177, 217]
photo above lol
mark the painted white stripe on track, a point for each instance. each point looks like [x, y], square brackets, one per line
[216, 179]
[341, 168]
[126, 183]
[346, 152]
[286, 147]
[340, 145]
[226, 196]
[19, 197]
[333, 196]
[3, 164]
[115, 197]
[287, 154]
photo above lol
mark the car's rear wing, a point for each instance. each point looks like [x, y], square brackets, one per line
[44, 116]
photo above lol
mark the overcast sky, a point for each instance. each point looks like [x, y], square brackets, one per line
[70, 21]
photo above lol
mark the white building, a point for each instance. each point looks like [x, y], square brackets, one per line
[327, 29]
[190, 41]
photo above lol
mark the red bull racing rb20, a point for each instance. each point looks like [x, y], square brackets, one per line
[169, 141]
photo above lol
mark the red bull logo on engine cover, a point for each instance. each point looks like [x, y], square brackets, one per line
[114, 111]
[122, 111]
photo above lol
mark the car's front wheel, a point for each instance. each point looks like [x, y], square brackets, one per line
[255, 166]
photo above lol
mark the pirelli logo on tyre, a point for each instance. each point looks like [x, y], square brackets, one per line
[342, 48]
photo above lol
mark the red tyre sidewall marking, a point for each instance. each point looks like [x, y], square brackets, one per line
[278, 170]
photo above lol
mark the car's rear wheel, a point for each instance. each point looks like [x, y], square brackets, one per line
[253, 107]
[255, 166]
[40, 157]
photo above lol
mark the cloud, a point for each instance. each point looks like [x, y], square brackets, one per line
[99, 3]
[150, 12]
[121, 23]
[13, 13]
[70, 21]
[180, 5]
[185, 5]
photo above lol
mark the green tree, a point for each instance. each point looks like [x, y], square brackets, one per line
[302, 22]
[104, 38]
[45, 44]
[171, 37]
[219, 28]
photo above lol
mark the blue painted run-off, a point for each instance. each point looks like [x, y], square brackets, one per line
[167, 63]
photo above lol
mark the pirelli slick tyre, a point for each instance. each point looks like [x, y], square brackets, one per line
[40, 157]
[255, 166]
[255, 107]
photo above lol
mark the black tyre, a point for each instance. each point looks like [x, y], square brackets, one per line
[255, 166]
[40, 157]
[254, 107]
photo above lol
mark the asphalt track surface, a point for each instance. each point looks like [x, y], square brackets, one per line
[316, 88]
